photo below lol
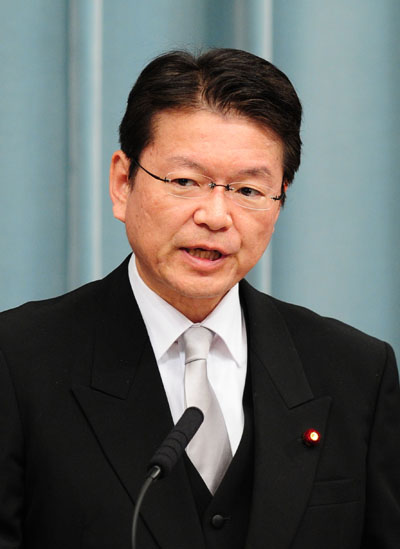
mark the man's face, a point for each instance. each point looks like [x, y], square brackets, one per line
[192, 251]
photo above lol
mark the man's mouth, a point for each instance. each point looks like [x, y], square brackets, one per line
[211, 255]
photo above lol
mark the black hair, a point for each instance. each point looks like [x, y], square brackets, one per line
[224, 80]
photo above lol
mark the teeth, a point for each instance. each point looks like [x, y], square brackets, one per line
[204, 254]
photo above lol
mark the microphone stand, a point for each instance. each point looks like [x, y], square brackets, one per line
[153, 474]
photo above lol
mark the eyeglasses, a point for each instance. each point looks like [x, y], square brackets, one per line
[250, 193]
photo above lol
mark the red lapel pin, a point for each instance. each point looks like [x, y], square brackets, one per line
[311, 437]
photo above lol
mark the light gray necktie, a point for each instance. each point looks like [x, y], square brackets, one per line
[210, 449]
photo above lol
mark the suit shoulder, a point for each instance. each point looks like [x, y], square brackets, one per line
[335, 356]
[77, 305]
[52, 320]
[334, 353]
[312, 333]
[61, 321]
[47, 310]
[305, 323]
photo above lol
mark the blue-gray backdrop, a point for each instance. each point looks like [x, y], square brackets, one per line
[66, 70]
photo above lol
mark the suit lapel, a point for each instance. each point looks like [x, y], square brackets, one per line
[284, 407]
[127, 409]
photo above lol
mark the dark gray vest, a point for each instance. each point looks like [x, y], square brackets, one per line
[225, 517]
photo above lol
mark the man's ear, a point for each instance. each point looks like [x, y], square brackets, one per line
[120, 187]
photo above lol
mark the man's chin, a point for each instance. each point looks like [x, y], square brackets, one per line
[196, 297]
[201, 290]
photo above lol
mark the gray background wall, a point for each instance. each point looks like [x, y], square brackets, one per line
[66, 70]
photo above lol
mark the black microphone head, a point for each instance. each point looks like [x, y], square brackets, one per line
[173, 446]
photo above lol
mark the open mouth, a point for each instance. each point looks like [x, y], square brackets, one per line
[200, 253]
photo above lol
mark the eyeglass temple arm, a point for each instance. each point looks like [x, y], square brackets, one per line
[283, 193]
[149, 173]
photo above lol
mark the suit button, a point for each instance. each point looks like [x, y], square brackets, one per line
[218, 521]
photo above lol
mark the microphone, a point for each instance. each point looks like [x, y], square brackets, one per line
[173, 446]
[167, 456]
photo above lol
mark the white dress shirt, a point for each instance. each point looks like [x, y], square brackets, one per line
[227, 360]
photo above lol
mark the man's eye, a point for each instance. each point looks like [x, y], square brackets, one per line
[184, 182]
[249, 192]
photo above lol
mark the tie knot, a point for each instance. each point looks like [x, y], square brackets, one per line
[197, 341]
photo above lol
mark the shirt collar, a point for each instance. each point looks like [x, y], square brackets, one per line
[165, 324]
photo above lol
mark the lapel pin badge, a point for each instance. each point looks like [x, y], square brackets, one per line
[311, 437]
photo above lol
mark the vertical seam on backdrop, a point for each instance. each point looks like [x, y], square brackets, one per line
[267, 53]
[240, 22]
[72, 254]
[267, 16]
[81, 269]
[96, 139]
[253, 30]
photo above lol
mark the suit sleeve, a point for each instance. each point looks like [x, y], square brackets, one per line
[11, 463]
[382, 521]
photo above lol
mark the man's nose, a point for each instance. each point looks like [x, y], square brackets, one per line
[214, 210]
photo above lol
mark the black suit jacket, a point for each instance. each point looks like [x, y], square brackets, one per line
[82, 409]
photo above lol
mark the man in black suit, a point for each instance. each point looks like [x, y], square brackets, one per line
[91, 382]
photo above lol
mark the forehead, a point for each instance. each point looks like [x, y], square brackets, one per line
[211, 136]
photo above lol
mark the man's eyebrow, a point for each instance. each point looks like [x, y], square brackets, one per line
[254, 172]
[185, 162]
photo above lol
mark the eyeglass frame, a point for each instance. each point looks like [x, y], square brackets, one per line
[212, 186]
